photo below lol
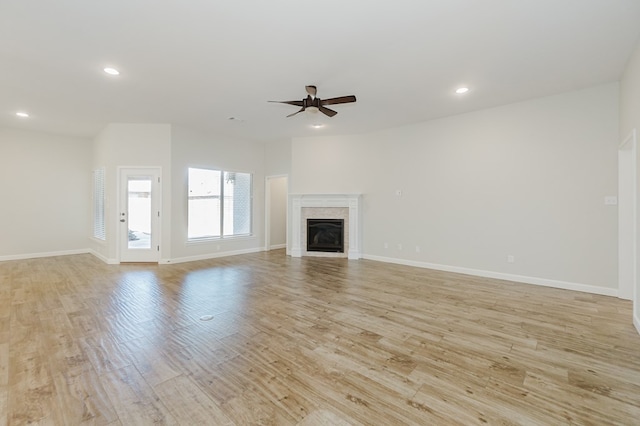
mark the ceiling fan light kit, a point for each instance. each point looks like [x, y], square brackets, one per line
[313, 104]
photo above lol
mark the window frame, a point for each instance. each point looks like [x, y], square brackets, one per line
[221, 211]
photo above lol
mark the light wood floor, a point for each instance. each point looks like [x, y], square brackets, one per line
[310, 341]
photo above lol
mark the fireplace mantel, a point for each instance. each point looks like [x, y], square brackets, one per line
[352, 201]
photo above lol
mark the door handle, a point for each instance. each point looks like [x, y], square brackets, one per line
[121, 220]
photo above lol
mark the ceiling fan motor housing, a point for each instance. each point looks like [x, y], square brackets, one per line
[311, 102]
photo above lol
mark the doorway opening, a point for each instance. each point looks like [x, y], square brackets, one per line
[276, 208]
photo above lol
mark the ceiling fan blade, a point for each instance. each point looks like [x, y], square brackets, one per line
[297, 112]
[340, 100]
[311, 90]
[327, 111]
[296, 103]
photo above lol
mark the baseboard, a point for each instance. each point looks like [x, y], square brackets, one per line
[636, 322]
[277, 246]
[104, 258]
[46, 254]
[586, 288]
[210, 256]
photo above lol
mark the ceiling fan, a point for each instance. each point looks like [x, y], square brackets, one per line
[314, 104]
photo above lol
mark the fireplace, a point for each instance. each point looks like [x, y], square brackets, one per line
[325, 235]
[346, 207]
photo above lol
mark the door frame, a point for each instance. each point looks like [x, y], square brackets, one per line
[628, 285]
[157, 201]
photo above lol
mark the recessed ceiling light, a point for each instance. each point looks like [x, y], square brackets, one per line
[111, 71]
[462, 90]
[317, 126]
[22, 114]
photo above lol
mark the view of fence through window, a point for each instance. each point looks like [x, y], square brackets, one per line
[219, 203]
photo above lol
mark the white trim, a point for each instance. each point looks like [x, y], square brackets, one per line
[210, 256]
[218, 240]
[636, 323]
[154, 255]
[627, 217]
[630, 138]
[45, 254]
[278, 246]
[104, 258]
[586, 288]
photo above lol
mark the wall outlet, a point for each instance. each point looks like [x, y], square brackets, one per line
[417, 249]
[610, 200]
[399, 192]
[399, 246]
[386, 245]
[511, 258]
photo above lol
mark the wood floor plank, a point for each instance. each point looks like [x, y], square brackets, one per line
[4, 383]
[323, 417]
[4, 405]
[188, 404]
[250, 408]
[147, 357]
[104, 353]
[4, 364]
[32, 397]
[134, 400]
[306, 341]
[84, 399]
[592, 403]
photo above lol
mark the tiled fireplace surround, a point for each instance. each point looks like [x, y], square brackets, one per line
[326, 206]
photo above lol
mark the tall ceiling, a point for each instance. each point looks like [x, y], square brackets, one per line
[199, 63]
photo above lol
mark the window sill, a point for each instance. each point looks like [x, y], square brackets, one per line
[202, 241]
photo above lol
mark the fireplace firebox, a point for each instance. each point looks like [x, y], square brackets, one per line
[326, 235]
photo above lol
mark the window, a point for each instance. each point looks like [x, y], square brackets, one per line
[219, 204]
[98, 204]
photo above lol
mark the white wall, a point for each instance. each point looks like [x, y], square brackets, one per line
[45, 181]
[527, 180]
[132, 145]
[194, 149]
[277, 158]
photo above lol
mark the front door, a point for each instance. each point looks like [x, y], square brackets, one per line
[139, 214]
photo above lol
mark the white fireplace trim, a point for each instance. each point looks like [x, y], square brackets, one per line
[352, 201]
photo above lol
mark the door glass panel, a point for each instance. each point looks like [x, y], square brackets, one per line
[139, 212]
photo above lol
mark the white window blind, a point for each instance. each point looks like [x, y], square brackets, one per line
[98, 204]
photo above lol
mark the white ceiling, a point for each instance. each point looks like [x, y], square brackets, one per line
[199, 62]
